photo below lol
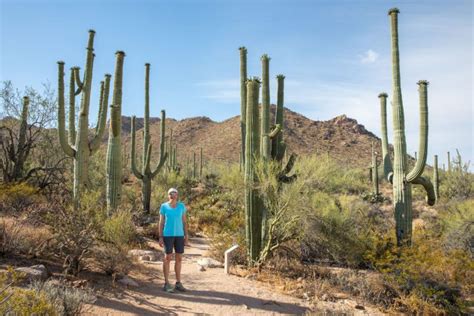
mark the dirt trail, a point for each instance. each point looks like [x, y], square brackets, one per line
[210, 292]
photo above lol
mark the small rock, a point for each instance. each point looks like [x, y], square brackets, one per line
[146, 255]
[306, 296]
[127, 281]
[210, 263]
[201, 268]
[144, 258]
[299, 279]
[33, 273]
[324, 297]
[360, 307]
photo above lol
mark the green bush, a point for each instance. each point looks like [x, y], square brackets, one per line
[17, 198]
[66, 300]
[331, 177]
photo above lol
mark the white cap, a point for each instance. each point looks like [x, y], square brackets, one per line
[171, 190]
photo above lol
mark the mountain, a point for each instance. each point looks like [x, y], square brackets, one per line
[343, 138]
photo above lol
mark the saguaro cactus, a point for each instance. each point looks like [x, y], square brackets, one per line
[449, 162]
[436, 177]
[375, 173]
[82, 148]
[146, 174]
[387, 164]
[402, 179]
[114, 149]
[243, 100]
[265, 120]
[253, 212]
[200, 164]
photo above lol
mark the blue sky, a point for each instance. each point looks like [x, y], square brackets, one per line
[334, 54]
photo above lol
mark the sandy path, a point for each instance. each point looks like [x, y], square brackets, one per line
[210, 292]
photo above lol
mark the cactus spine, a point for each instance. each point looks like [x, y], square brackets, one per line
[114, 148]
[146, 175]
[82, 148]
[402, 179]
[436, 177]
[253, 203]
[243, 100]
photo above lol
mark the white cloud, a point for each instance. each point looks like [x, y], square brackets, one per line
[225, 91]
[368, 57]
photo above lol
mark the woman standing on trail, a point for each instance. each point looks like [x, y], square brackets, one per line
[173, 234]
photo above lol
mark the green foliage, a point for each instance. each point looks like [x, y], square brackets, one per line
[326, 175]
[18, 301]
[457, 183]
[458, 226]
[119, 229]
[66, 300]
[336, 230]
[17, 197]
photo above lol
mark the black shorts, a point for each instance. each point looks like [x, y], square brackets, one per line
[176, 242]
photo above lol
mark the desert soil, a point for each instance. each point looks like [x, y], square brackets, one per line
[209, 292]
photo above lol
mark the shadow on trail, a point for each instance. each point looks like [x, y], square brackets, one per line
[216, 298]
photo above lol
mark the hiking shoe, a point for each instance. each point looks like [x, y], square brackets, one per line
[179, 286]
[168, 288]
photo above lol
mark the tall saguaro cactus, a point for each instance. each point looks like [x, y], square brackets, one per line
[387, 164]
[375, 173]
[253, 213]
[243, 100]
[146, 174]
[82, 148]
[402, 179]
[114, 149]
[265, 121]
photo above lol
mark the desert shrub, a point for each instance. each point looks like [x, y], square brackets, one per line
[459, 182]
[17, 198]
[117, 233]
[119, 229]
[329, 176]
[66, 300]
[337, 230]
[457, 225]
[19, 237]
[223, 241]
[76, 231]
[18, 301]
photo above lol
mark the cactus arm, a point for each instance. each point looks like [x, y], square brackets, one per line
[102, 117]
[428, 186]
[275, 132]
[436, 177]
[282, 177]
[265, 120]
[423, 146]
[387, 164]
[278, 145]
[133, 160]
[68, 150]
[243, 99]
[163, 153]
[77, 79]
[72, 109]
[146, 120]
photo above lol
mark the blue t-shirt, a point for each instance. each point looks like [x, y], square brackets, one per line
[173, 219]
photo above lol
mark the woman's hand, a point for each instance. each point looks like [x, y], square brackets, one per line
[160, 242]
[186, 241]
